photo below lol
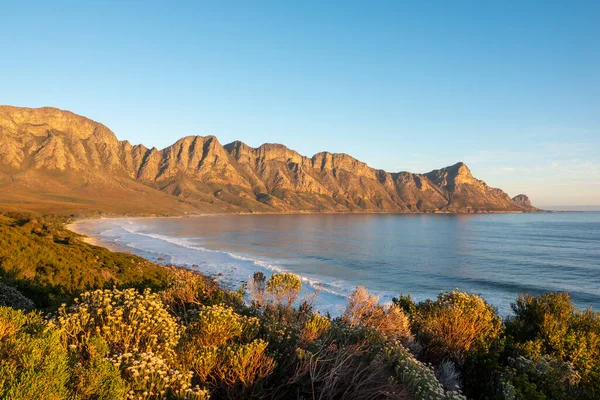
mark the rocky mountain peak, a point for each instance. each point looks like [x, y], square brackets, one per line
[38, 121]
[276, 151]
[461, 169]
[56, 140]
[452, 176]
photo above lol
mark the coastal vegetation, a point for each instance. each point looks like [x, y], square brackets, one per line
[80, 322]
[51, 265]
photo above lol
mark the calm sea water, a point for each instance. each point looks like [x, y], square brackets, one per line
[497, 255]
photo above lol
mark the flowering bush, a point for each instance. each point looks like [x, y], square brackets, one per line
[149, 377]
[140, 338]
[124, 319]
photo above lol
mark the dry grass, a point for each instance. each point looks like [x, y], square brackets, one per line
[343, 372]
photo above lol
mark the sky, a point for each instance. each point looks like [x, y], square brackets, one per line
[511, 88]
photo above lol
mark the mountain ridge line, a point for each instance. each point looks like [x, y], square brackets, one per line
[52, 158]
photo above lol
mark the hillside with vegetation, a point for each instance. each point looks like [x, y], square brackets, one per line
[50, 264]
[80, 322]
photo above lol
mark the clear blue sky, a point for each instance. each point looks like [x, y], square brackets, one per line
[512, 88]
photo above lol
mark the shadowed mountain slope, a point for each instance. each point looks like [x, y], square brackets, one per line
[56, 161]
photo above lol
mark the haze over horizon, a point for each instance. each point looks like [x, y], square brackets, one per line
[512, 89]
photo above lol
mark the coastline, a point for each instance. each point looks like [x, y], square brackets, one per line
[228, 273]
[187, 215]
[94, 241]
[228, 250]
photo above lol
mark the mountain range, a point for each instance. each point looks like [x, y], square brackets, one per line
[57, 161]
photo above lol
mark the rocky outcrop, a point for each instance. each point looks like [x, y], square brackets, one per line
[523, 201]
[58, 154]
[55, 140]
[11, 297]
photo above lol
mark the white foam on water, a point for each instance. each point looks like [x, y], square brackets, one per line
[556, 252]
[228, 268]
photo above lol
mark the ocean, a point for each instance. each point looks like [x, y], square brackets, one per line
[495, 255]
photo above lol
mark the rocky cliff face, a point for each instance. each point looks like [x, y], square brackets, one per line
[49, 155]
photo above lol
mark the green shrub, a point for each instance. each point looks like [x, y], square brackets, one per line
[202, 360]
[406, 303]
[455, 325]
[315, 327]
[94, 375]
[545, 378]
[549, 324]
[33, 364]
[417, 378]
[280, 327]
[284, 287]
[218, 325]
[219, 345]
[186, 291]
[548, 327]
[245, 363]
[190, 290]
